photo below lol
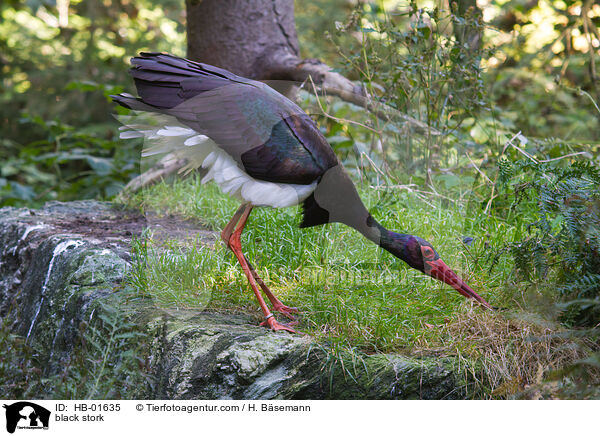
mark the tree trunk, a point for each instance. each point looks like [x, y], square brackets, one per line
[255, 39]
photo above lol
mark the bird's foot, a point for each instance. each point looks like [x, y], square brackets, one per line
[274, 325]
[285, 310]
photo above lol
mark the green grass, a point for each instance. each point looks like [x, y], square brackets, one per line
[349, 290]
[356, 298]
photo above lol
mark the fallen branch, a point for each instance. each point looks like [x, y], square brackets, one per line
[332, 83]
[165, 167]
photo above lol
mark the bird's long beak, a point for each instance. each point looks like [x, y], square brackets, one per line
[439, 270]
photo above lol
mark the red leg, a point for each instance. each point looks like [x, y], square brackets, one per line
[228, 230]
[235, 244]
[278, 306]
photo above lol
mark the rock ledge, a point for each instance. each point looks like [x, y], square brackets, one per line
[58, 263]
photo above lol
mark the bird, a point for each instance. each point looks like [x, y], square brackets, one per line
[263, 149]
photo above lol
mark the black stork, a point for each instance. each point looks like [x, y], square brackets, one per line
[263, 149]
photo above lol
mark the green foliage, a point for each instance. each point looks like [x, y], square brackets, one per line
[553, 37]
[44, 48]
[544, 71]
[411, 61]
[65, 164]
[57, 67]
[536, 105]
[563, 242]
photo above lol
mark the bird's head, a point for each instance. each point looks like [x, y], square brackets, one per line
[420, 255]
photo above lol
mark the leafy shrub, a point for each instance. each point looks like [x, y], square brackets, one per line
[563, 240]
[57, 141]
[417, 62]
[66, 164]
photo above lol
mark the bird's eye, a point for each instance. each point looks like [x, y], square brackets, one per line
[427, 252]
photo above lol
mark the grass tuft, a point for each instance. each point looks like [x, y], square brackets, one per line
[515, 352]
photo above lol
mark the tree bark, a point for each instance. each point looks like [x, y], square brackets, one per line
[256, 39]
[253, 39]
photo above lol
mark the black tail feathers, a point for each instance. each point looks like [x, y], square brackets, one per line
[312, 213]
[164, 81]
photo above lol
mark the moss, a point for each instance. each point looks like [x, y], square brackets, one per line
[99, 267]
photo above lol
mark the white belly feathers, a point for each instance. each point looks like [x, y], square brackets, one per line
[164, 135]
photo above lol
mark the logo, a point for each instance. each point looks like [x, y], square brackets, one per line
[26, 415]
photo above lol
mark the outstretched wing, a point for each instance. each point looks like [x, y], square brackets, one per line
[268, 135]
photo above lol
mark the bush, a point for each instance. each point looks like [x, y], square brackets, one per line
[562, 246]
[67, 164]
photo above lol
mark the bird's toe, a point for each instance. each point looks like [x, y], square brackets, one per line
[285, 310]
[276, 326]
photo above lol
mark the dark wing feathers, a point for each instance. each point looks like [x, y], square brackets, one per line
[269, 136]
[172, 64]
[164, 96]
[290, 154]
[191, 86]
[165, 81]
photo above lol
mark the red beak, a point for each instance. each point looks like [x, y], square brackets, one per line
[439, 270]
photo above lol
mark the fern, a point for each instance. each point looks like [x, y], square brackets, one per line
[109, 360]
[563, 242]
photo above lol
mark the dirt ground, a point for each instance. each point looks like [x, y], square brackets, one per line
[113, 224]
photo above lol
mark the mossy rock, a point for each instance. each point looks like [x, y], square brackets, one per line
[63, 271]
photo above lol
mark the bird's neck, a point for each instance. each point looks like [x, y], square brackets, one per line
[337, 197]
[378, 234]
[403, 246]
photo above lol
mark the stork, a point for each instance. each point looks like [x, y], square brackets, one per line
[263, 149]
